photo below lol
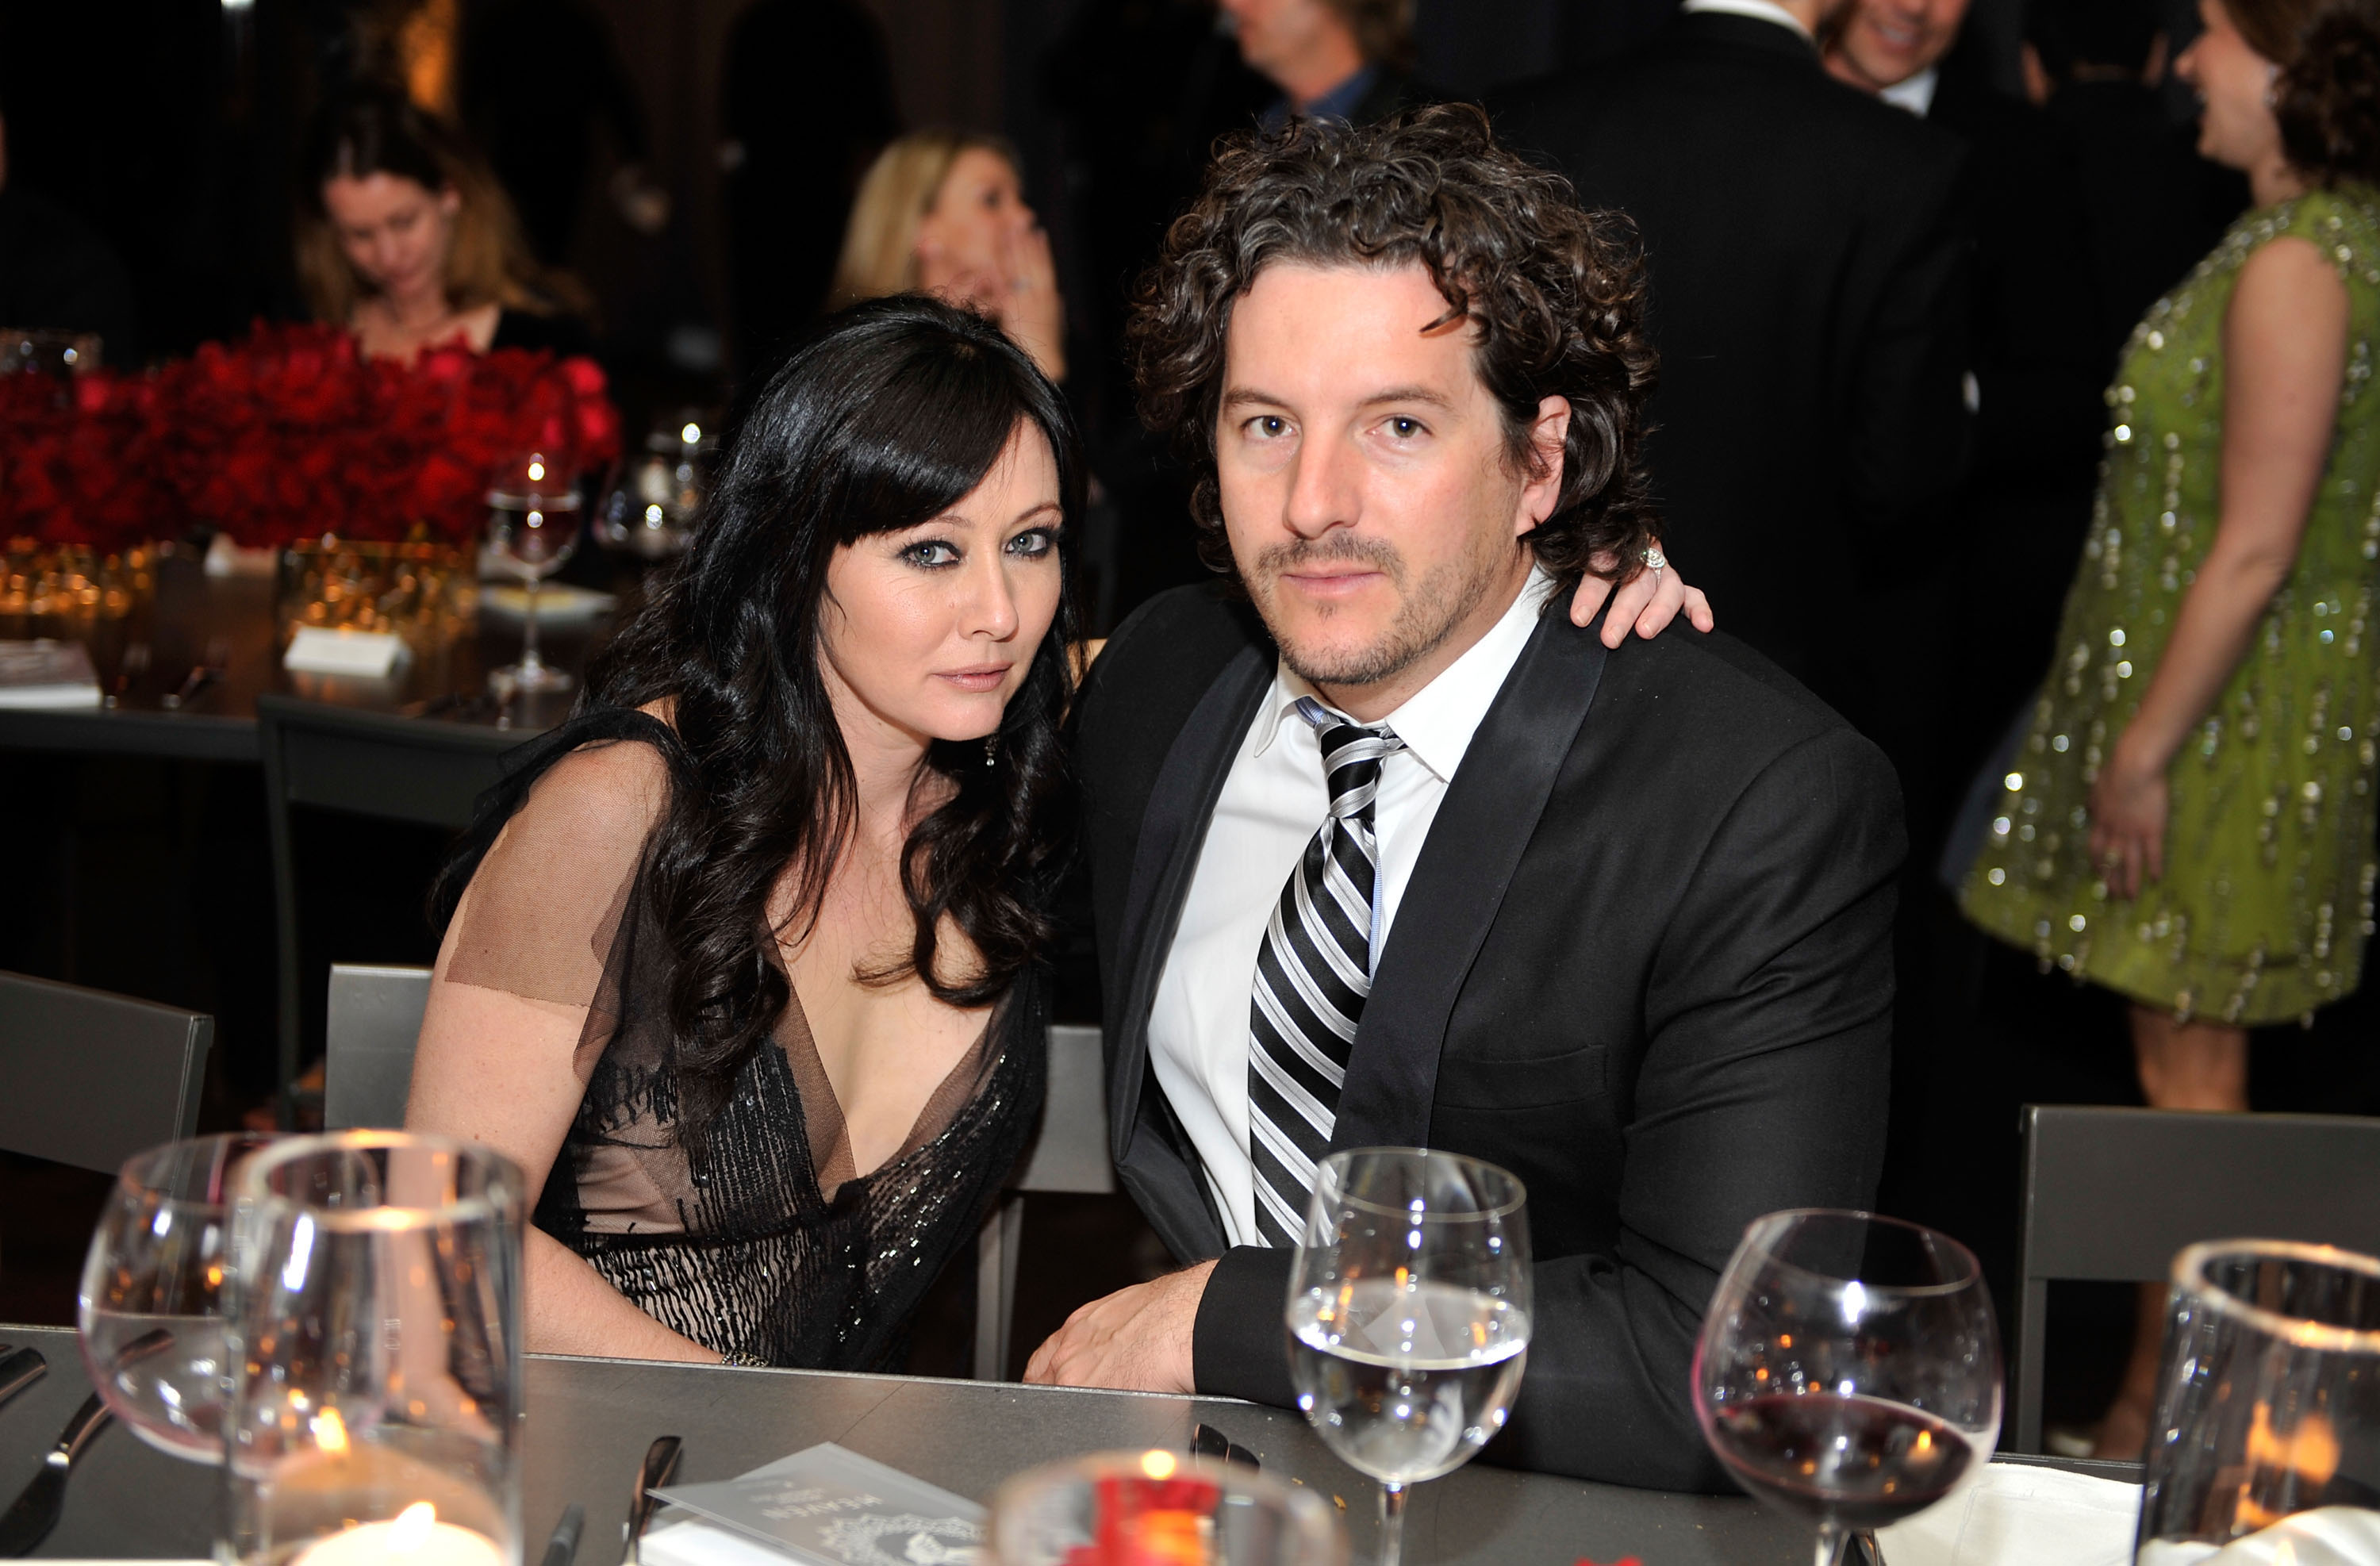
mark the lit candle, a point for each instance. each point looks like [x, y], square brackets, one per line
[414, 1538]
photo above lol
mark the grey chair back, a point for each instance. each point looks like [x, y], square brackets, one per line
[1069, 1155]
[92, 1078]
[378, 764]
[368, 1068]
[2111, 1194]
[376, 1016]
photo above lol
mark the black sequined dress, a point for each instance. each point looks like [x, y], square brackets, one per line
[773, 1245]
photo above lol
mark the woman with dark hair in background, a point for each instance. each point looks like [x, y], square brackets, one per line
[744, 968]
[2188, 821]
[405, 237]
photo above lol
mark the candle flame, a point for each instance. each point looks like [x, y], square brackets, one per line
[330, 1433]
[411, 1529]
[1157, 1464]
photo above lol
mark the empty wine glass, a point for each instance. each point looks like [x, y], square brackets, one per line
[533, 526]
[155, 1292]
[1409, 1314]
[1848, 1370]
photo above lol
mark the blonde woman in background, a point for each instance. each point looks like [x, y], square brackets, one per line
[404, 237]
[943, 212]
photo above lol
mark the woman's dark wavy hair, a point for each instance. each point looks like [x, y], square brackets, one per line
[1557, 293]
[2327, 97]
[886, 418]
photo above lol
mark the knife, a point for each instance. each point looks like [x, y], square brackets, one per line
[29, 1521]
[661, 1462]
[562, 1547]
[20, 1370]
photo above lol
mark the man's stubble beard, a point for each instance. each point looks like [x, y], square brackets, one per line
[1427, 615]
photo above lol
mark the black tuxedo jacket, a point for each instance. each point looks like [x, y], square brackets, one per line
[1644, 961]
[1808, 248]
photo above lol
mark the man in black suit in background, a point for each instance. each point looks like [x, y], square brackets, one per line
[1617, 920]
[1809, 247]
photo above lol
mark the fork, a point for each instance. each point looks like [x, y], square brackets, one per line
[201, 674]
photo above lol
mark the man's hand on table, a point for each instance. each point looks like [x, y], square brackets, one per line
[1137, 1339]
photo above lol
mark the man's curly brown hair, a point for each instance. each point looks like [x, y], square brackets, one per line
[1557, 293]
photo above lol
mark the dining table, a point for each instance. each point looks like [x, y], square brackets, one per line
[227, 624]
[589, 1422]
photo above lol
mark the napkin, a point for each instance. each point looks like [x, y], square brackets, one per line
[2328, 1535]
[2020, 1515]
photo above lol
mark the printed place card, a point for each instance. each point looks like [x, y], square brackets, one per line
[827, 1506]
[371, 654]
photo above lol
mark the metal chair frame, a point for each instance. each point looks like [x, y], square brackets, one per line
[2110, 1195]
[92, 1077]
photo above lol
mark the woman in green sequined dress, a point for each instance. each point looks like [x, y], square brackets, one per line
[2189, 820]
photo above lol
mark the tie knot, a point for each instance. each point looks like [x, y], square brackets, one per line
[1352, 754]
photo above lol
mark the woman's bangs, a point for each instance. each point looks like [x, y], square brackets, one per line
[926, 439]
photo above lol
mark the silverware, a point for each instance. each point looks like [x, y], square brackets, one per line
[29, 1521]
[20, 1370]
[661, 1462]
[202, 674]
[134, 666]
[1207, 1441]
[562, 1547]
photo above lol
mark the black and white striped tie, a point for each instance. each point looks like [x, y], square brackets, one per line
[1313, 973]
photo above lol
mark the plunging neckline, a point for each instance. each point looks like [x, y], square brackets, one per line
[825, 1128]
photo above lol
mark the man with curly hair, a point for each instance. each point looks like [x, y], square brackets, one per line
[1384, 850]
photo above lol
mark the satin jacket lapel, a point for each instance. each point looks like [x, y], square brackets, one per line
[1475, 842]
[1173, 828]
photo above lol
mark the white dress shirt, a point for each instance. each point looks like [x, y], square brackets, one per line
[1272, 804]
[1915, 93]
[1766, 10]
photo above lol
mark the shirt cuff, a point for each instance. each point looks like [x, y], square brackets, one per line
[1240, 1346]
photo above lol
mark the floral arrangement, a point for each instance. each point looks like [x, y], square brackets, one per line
[290, 433]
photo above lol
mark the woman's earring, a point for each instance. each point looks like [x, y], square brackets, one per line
[991, 748]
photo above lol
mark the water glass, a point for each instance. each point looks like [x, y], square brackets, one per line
[156, 1286]
[2269, 1400]
[1140, 1509]
[1409, 1306]
[376, 1391]
[533, 504]
[1848, 1370]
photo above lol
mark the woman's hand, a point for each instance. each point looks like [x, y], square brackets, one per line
[2128, 814]
[1648, 603]
[1032, 311]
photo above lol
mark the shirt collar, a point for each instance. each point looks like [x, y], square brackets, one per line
[1766, 10]
[1915, 93]
[1337, 104]
[1438, 720]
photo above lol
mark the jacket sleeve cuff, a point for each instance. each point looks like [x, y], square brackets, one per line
[1240, 1346]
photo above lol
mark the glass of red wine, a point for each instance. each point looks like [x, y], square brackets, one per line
[1848, 1370]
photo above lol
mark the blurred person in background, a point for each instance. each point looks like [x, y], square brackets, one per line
[56, 273]
[943, 212]
[805, 103]
[538, 78]
[1343, 59]
[1809, 251]
[404, 237]
[2152, 205]
[2188, 821]
[2034, 352]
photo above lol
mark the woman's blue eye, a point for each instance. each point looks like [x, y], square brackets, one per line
[930, 554]
[1033, 543]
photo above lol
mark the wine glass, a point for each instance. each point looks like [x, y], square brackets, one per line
[533, 526]
[1409, 1314]
[155, 1292]
[1848, 1370]
[650, 512]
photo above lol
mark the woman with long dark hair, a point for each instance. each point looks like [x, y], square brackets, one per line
[743, 968]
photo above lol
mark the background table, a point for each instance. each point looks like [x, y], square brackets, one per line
[191, 610]
[589, 1422]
